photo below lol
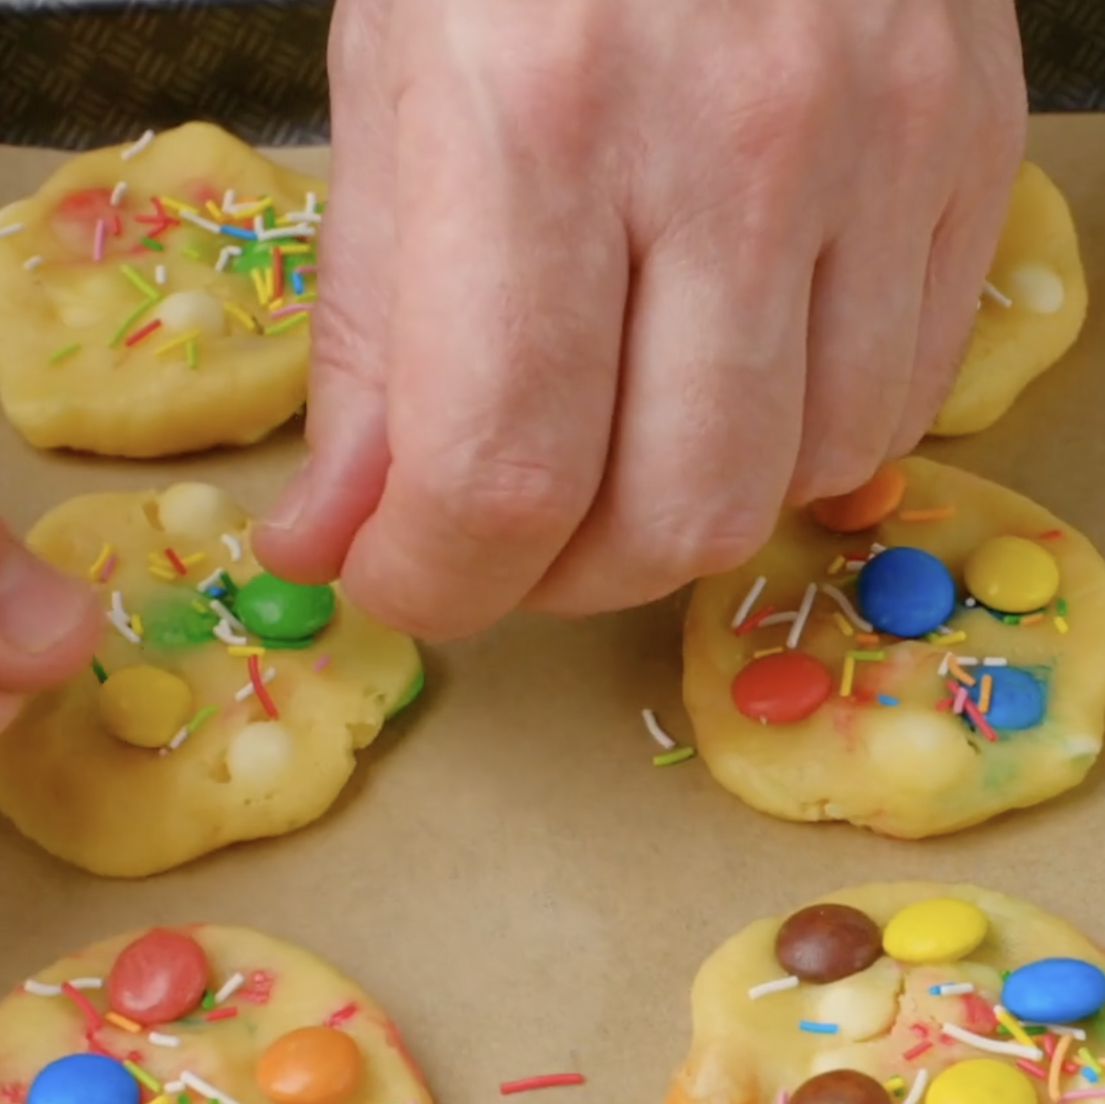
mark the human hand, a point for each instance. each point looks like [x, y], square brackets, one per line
[49, 625]
[605, 282]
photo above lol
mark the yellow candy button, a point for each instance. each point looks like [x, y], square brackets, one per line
[144, 706]
[1012, 575]
[981, 1081]
[944, 929]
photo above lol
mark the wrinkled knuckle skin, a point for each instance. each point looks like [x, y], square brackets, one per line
[712, 548]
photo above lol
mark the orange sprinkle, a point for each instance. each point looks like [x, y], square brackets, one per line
[1057, 1060]
[937, 514]
[123, 1022]
[959, 673]
[843, 624]
[1032, 619]
[984, 693]
[753, 622]
[175, 560]
[864, 507]
[867, 638]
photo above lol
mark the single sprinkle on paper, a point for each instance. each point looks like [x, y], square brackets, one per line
[656, 732]
[544, 1081]
[671, 758]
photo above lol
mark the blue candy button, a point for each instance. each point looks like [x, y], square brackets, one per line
[84, 1079]
[1054, 990]
[1017, 698]
[906, 592]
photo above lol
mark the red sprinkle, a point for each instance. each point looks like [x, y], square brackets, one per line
[548, 1081]
[343, 1015]
[143, 333]
[92, 1017]
[1033, 1069]
[221, 1014]
[920, 1030]
[944, 705]
[1071, 1067]
[1051, 534]
[917, 1051]
[176, 561]
[260, 689]
[116, 226]
[753, 622]
[13, 1093]
[979, 720]
[277, 273]
[258, 989]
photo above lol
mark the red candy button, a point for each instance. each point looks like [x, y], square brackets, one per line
[780, 688]
[158, 978]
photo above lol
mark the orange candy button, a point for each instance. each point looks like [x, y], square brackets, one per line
[864, 507]
[314, 1065]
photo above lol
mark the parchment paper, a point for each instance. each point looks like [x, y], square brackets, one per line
[508, 873]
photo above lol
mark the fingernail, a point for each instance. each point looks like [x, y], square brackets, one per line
[289, 506]
[39, 607]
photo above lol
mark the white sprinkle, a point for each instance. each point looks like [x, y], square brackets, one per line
[303, 230]
[158, 1039]
[139, 146]
[246, 690]
[1059, 1029]
[942, 670]
[227, 635]
[174, 1086]
[7, 231]
[208, 1090]
[312, 202]
[992, 292]
[258, 224]
[995, 661]
[226, 615]
[118, 192]
[876, 548]
[122, 626]
[41, 989]
[230, 987]
[745, 608]
[200, 221]
[803, 616]
[224, 257]
[655, 731]
[776, 986]
[179, 738]
[967, 661]
[228, 200]
[852, 566]
[980, 1042]
[970, 603]
[837, 595]
[117, 606]
[161, 275]
[234, 546]
[31, 263]
[954, 989]
[304, 216]
[778, 619]
[212, 580]
[920, 1083]
[945, 630]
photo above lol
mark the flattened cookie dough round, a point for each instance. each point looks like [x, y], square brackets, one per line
[942, 1010]
[157, 302]
[922, 674]
[215, 1013]
[225, 705]
[1031, 312]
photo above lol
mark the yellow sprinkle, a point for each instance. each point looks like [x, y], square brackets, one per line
[160, 1100]
[197, 605]
[177, 205]
[1088, 1059]
[847, 677]
[144, 1078]
[1014, 1028]
[101, 559]
[947, 638]
[176, 342]
[984, 694]
[123, 1022]
[191, 353]
[766, 652]
[1061, 624]
[161, 573]
[136, 625]
[276, 304]
[194, 558]
[216, 214]
[250, 650]
[836, 565]
[259, 285]
[270, 284]
[843, 624]
[293, 250]
[960, 674]
[895, 1086]
[253, 209]
[242, 316]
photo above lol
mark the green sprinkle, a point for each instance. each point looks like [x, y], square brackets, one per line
[874, 657]
[287, 645]
[286, 324]
[204, 714]
[1061, 607]
[191, 354]
[140, 282]
[140, 1075]
[184, 1098]
[670, 758]
[192, 253]
[208, 1001]
[1003, 1030]
[228, 583]
[151, 243]
[129, 321]
[98, 670]
[65, 352]
[1011, 619]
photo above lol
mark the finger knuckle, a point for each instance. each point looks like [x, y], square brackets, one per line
[926, 75]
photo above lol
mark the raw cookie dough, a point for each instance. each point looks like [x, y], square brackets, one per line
[835, 717]
[1031, 313]
[930, 1017]
[200, 1010]
[157, 302]
[151, 768]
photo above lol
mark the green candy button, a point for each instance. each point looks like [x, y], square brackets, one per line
[279, 611]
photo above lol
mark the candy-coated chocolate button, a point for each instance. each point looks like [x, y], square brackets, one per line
[981, 1081]
[905, 592]
[864, 507]
[1012, 575]
[841, 1087]
[824, 943]
[943, 929]
[780, 688]
[1055, 990]
[1018, 699]
[158, 978]
[144, 706]
[314, 1065]
[271, 607]
[84, 1079]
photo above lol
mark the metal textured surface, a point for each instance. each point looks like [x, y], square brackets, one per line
[81, 73]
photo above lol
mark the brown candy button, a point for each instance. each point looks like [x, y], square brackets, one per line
[841, 1087]
[825, 943]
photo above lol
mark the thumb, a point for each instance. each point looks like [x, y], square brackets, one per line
[49, 623]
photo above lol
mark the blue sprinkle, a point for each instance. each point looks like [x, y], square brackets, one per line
[1088, 1074]
[237, 232]
[886, 699]
[816, 1028]
[297, 282]
[215, 592]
